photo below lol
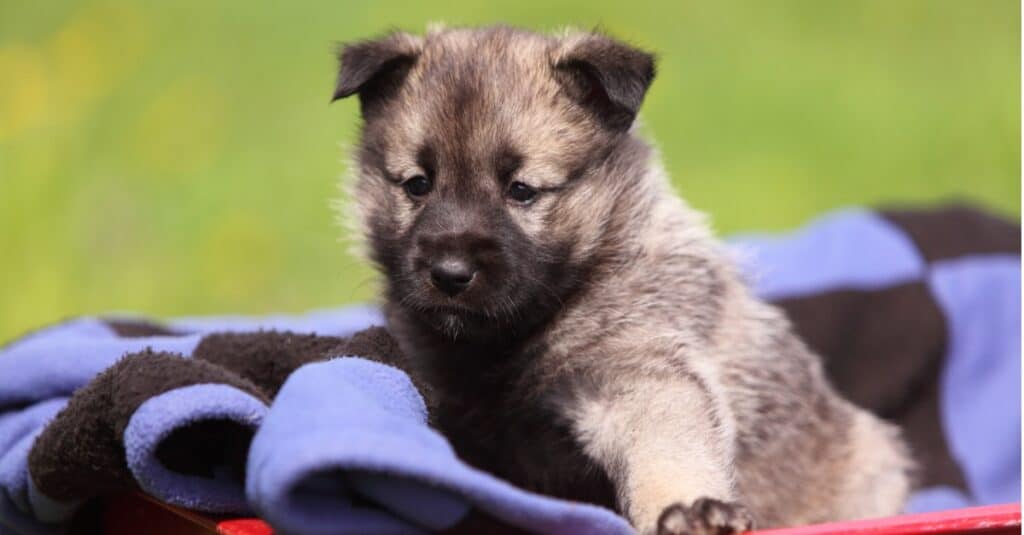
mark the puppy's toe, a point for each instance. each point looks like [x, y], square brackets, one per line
[721, 518]
[675, 520]
[707, 516]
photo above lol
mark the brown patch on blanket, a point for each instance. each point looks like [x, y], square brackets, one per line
[137, 328]
[884, 350]
[266, 358]
[80, 454]
[375, 344]
[956, 230]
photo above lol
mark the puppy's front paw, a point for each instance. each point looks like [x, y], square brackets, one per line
[706, 516]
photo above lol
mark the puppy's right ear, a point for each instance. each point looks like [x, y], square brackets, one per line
[375, 69]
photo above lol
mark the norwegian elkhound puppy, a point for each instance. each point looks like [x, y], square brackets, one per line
[576, 327]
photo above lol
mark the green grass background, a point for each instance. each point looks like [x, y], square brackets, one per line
[178, 157]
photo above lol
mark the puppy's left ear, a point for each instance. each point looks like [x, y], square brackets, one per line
[607, 77]
[375, 69]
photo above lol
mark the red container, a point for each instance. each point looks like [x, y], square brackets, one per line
[993, 519]
[137, 514]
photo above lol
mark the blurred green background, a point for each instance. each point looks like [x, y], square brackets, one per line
[178, 157]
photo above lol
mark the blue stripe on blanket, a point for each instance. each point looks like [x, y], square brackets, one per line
[852, 249]
[56, 365]
[981, 381]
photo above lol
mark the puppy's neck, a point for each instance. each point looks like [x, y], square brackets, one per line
[649, 221]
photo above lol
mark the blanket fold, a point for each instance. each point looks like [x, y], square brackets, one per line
[187, 446]
[116, 430]
[369, 443]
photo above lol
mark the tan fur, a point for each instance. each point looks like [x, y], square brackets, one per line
[673, 378]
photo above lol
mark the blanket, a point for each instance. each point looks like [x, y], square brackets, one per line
[308, 421]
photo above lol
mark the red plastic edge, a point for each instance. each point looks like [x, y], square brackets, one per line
[988, 519]
[244, 526]
[992, 518]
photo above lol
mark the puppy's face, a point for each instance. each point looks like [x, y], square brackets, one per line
[477, 185]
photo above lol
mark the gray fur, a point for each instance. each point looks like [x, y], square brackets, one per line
[637, 358]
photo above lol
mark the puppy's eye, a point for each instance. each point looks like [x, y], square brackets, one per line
[418, 186]
[521, 193]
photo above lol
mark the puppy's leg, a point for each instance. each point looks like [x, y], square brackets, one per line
[668, 446]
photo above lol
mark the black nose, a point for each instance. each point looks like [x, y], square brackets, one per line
[451, 275]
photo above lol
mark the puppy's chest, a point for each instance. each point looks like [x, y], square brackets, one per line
[512, 434]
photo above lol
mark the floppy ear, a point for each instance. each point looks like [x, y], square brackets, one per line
[605, 76]
[375, 69]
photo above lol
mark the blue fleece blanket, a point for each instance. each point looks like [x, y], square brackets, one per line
[344, 447]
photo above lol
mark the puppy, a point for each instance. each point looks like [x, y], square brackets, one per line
[577, 328]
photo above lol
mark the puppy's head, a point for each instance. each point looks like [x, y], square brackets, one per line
[487, 166]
